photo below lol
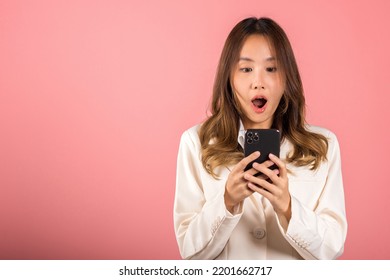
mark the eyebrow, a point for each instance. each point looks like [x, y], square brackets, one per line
[271, 58]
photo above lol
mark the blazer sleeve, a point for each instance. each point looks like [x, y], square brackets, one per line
[202, 223]
[320, 233]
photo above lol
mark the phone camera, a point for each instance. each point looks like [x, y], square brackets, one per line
[256, 137]
[249, 140]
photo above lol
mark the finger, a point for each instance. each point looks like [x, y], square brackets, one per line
[243, 191]
[256, 174]
[281, 165]
[268, 163]
[253, 171]
[261, 183]
[245, 161]
[264, 192]
[268, 172]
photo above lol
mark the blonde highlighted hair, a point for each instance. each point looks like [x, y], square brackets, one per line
[218, 134]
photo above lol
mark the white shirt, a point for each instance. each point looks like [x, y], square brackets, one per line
[205, 229]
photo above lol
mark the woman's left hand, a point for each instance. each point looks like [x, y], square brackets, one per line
[275, 189]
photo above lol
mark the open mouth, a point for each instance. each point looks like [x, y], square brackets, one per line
[259, 102]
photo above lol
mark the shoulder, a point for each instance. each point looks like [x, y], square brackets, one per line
[333, 143]
[320, 130]
[191, 136]
[193, 131]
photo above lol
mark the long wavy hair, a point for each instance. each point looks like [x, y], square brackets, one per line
[218, 134]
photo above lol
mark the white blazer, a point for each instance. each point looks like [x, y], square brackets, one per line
[205, 229]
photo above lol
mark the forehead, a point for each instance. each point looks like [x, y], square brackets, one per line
[257, 47]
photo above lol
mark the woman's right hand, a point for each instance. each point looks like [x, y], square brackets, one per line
[236, 188]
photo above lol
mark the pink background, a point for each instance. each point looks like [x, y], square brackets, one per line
[94, 96]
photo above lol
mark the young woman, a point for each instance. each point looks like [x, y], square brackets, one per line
[223, 212]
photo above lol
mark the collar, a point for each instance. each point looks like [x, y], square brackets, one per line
[241, 135]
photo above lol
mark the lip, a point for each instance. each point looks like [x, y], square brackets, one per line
[255, 108]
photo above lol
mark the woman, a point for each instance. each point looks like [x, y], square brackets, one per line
[295, 211]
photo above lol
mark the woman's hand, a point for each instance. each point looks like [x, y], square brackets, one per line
[275, 189]
[236, 188]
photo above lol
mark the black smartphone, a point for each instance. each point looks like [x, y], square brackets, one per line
[266, 141]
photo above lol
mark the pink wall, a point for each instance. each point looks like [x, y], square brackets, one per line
[94, 96]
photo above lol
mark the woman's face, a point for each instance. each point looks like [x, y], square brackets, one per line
[257, 82]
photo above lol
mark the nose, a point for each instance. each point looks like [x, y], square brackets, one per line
[257, 86]
[257, 83]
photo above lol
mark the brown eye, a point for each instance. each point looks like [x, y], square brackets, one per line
[246, 69]
[271, 69]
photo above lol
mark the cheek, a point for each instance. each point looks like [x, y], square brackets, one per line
[278, 88]
[279, 98]
[241, 82]
[278, 95]
[238, 98]
[237, 90]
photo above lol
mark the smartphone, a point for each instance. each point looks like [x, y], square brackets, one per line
[265, 141]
